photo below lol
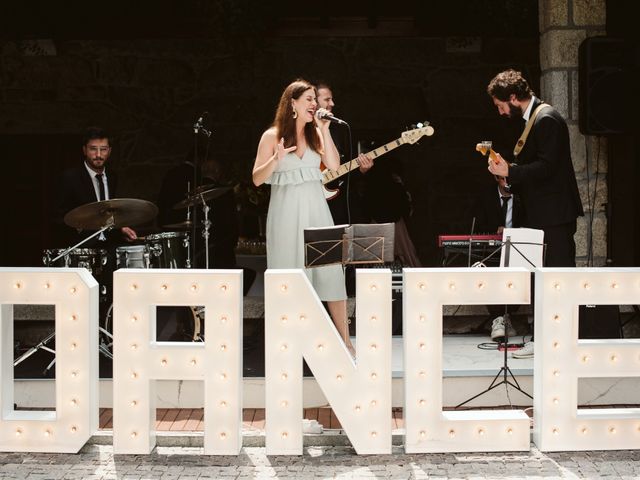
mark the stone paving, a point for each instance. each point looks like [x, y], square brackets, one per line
[188, 463]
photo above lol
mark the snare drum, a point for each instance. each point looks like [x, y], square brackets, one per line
[93, 259]
[132, 256]
[169, 250]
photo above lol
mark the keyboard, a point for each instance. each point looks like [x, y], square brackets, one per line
[491, 239]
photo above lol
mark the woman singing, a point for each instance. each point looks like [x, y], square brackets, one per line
[288, 158]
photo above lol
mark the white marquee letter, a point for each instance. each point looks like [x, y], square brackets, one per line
[560, 359]
[74, 293]
[139, 359]
[297, 326]
[428, 428]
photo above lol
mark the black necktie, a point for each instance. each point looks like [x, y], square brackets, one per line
[102, 196]
[505, 208]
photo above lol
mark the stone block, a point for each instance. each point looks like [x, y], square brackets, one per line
[552, 13]
[597, 238]
[554, 87]
[589, 12]
[559, 48]
[587, 190]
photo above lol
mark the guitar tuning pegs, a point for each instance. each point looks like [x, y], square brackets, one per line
[413, 126]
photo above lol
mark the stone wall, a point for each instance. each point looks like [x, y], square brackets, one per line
[564, 24]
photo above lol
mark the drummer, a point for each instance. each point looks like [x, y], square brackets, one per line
[89, 182]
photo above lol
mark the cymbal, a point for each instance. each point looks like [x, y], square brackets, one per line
[206, 192]
[185, 224]
[125, 212]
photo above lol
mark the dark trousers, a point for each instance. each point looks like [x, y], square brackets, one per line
[561, 247]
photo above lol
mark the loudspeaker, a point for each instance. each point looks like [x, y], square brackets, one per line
[599, 321]
[604, 76]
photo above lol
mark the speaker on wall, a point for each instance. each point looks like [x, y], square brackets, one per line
[604, 72]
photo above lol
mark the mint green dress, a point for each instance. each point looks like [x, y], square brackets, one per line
[297, 202]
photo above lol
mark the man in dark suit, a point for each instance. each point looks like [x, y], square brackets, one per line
[542, 173]
[86, 183]
[346, 205]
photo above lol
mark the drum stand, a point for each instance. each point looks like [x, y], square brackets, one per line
[42, 345]
[205, 233]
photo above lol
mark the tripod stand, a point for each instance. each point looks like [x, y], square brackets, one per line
[505, 376]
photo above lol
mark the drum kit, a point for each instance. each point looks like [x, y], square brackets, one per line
[168, 249]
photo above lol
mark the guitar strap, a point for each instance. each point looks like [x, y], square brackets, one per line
[523, 138]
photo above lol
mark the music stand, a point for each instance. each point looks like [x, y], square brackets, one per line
[349, 244]
[531, 250]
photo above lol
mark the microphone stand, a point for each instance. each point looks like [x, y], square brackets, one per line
[504, 372]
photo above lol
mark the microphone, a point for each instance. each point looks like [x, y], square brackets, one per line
[331, 118]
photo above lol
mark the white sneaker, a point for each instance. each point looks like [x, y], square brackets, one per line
[524, 352]
[311, 426]
[497, 329]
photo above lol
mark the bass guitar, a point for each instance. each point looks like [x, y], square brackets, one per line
[410, 136]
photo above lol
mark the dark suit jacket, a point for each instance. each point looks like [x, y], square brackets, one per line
[74, 188]
[544, 175]
[488, 211]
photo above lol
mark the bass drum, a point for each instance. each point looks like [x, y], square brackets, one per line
[175, 324]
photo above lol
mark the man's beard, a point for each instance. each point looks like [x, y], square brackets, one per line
[515, 112]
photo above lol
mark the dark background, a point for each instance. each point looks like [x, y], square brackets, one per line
[147, 70]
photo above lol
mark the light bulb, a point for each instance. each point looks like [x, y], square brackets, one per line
[47, 433]
[374, 346]
[223, 404]
[73, 345]
[373, 287]
[422, 286]
[373, 403]
[423, 433]
[509, 431]
[134, 286]
[284, 376]
[18, 432]
[223, 319]
[74, 317]
[284, 403]
[556, 401]
[73, 290]
[511, 285]
[320, 347]
[134, 434]
[283, 347]
[163, 362]
[283, 319]
[193, 362]
[357, 408]
[452, 433]
[223, 347]
[134, 318]
[339, 376]
[134, 403]
[194, 287]
[422, 346]
[614, 285]
[164, 287]
[74, 402]
[422, 373]
[586, 286]
[556, 318]
[283, 287]
[422, 402]
[480, 285]
[74, 429]
[224, 287]
[374, 434]
[481, 431]
[452, 286]
[556, 286]
[555, 431]
[17, 285]
[374, 376]
[223, 376]
[373, 318]
[285, 435]
[223, 435]
[134, 346]
[422, 319]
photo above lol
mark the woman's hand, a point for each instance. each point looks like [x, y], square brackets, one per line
[281, 151]
[322, 122]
